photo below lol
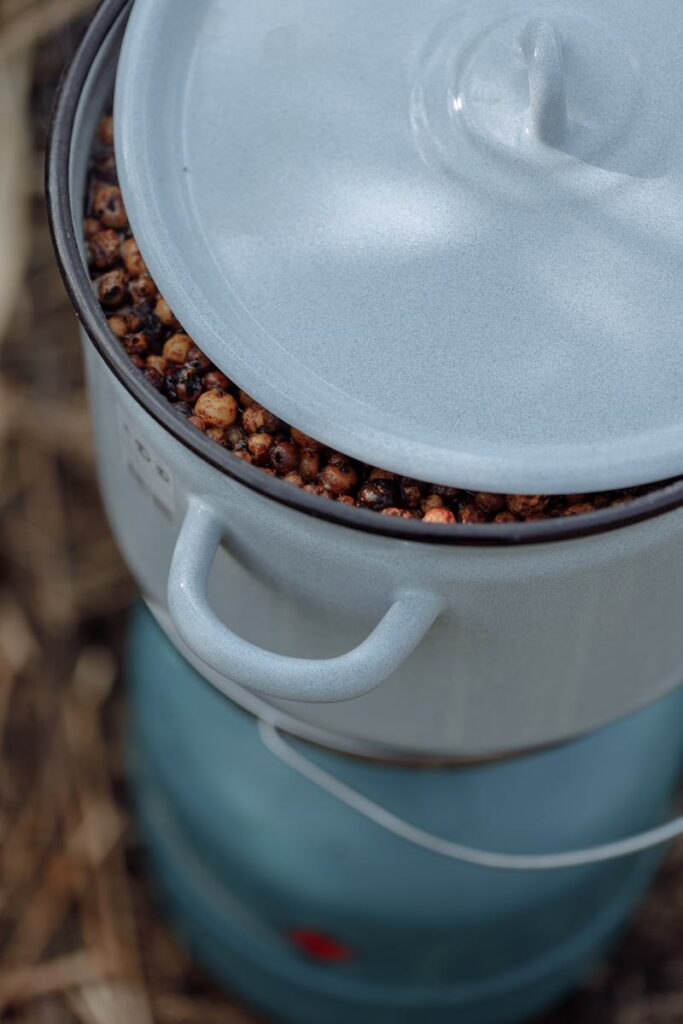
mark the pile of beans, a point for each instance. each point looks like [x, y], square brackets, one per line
[141, 320]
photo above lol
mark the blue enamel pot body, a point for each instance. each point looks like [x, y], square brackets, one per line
[311, 912]
[370, 633]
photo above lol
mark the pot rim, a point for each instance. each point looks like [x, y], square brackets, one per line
[91, 317]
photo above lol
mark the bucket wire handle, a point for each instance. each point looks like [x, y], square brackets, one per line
[357, 672]
[374, 812]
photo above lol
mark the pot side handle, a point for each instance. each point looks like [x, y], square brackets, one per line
[276, 675]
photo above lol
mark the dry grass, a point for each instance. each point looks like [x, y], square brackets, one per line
[80, 942]
[24, 23]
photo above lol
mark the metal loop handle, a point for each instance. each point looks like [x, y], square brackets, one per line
[374, 812]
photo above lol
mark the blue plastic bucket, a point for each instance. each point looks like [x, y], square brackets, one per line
[311, 913]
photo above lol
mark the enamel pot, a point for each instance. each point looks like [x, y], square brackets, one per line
[375, 634]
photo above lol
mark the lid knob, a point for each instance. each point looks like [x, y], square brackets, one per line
[536, 87]
[540, 47]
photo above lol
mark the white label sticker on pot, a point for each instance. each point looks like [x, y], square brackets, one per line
[149, 471]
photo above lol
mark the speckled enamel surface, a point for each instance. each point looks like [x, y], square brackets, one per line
[532, 643]
[442, 237]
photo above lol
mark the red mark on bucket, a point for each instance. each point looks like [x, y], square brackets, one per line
[320, 946]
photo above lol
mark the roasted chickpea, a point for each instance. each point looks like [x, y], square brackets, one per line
[163, 311]
[188, 384]
[527, 504]
[155, 377]
[491, 504]
[443, 516]
[108, 207]
[398, 513]
[378, 494]
[411, 492]
[256, 419]
[217, 434]
[259, 446]
[112, 288]
[309, 464]
[136, 345]
[176, 348]
[105, 131]
[104, 249]
[142, 289]
[158, 362]
[216, 379]
[132, 259]
[579, 509]
[237, 439]
[431, 501]
[308, 444]
[338, 477]
[118, 325]
[284, 457]
[294, 478]
[217, 407]
[196, 359]
[505, 517]
[471, 514]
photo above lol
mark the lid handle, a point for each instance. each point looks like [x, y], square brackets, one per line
[541, 49]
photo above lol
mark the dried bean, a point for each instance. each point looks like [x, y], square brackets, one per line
[112, 288]
[256, 418]
[176, 348]
[284, 457]
[443, 516]
[108, 206]
[217, 407]
[378, 494]
[259, 446]
[104, 249]
[132, 259]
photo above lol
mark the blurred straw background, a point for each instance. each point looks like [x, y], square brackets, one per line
[80, 942]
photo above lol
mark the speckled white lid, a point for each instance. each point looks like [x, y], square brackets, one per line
[444, 237]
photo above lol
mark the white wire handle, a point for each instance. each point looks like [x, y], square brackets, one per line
[374, 812]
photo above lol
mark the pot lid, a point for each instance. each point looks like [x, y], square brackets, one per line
[443, 237]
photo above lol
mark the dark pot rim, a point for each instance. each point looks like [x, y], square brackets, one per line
[91, 317]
